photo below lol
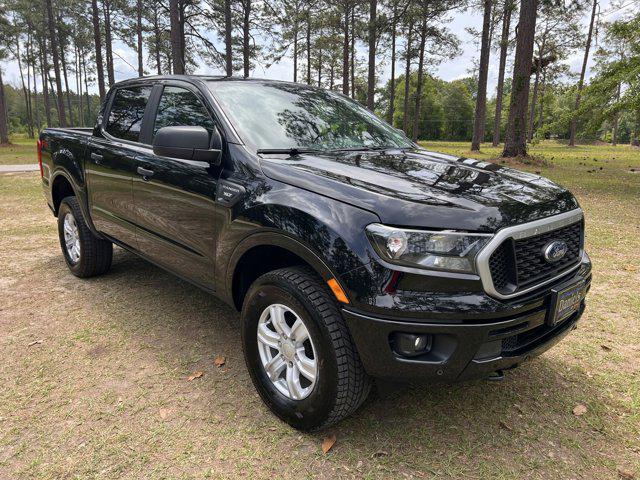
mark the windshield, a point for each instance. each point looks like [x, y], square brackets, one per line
[278, 115]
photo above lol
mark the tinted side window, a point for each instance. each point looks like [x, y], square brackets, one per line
[180, 107]
[127, 110]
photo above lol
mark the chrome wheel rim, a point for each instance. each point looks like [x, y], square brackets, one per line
[286, 352]
[71, 238]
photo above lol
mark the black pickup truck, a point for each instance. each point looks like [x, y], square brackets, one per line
[351, 252]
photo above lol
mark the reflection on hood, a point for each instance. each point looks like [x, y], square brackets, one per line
[421, 188]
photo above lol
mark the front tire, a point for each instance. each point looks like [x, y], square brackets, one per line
[299, 352]
[85, 254]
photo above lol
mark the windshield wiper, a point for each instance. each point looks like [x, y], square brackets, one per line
[365, 148]
[290, 151]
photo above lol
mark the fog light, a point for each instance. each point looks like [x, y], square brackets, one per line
[411, 345]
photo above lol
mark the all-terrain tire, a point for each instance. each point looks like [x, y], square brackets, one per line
[95, 254]
[342, 384]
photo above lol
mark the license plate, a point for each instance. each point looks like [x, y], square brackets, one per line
[565, 302]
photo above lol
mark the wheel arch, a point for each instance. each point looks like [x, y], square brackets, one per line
[273, 250]
[61, 187]
[64, 185]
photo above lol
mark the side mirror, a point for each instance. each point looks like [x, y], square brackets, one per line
[188, 143]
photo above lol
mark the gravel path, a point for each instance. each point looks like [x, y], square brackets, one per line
[19, 168]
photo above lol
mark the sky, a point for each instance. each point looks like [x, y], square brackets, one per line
[125, 66]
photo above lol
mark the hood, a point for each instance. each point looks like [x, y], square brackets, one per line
[418, 188]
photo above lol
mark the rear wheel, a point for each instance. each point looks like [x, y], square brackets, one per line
[85, 254]
[299, 352]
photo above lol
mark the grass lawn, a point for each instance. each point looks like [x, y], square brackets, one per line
[94, 372]
[22, 150]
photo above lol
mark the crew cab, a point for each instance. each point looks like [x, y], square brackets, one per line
[350, 252]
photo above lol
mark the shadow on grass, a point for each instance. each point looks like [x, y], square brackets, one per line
[524, 423]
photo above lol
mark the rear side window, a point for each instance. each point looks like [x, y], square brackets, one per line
[127, 110]
[179, 107]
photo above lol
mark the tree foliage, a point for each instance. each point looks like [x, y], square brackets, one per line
[65, 51]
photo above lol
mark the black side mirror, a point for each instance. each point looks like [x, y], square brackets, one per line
[188, 143]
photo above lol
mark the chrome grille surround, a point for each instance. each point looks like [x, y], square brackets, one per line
[518, 232]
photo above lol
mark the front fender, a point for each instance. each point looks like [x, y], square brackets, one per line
[327, 234]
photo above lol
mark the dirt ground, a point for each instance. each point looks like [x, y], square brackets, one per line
[94, 373]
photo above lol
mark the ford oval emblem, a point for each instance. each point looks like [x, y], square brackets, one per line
[555, 251]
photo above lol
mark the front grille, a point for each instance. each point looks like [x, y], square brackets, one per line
[519, 264]
[500, 264]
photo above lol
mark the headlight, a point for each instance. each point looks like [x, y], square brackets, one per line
[446, 250]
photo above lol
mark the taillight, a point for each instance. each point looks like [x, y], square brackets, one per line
[40, 145]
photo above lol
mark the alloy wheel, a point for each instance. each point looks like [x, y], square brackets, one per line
[71, 238]
[286, 352]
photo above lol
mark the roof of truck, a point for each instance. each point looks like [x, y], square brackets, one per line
[196, 77]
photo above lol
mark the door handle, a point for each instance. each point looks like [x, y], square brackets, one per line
[146, 173]
[96, 157]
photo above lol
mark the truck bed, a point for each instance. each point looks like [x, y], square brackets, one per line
[81, 130]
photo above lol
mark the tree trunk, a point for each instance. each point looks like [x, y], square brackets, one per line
[36, 107]
[407, 77]
[97, 39]
[62, 118]
[635, 138]
[516, 136]
[63, 61]
[52, 91]
[31, 65]
[352, 67]
[543, 87]
[86, 86]
[392, 80]
[24, 89]
[504, 47]
[176, 42]
[536, 85]
[371, 77]
[44, 67]
[331, 76]
[616, 120]
[574, 120]
[345, 51]
[532, 112]
[320, 60]
[108, 41]
[66, 87]
[481, 97]
[182, 5]
[228, 46]
[76, 66]
[416, 113]
[139, 36]
[308, 48]
[245, 38]
[4, 125]
[295, 53]
[156, 35]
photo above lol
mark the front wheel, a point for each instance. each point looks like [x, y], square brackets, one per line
[299, 352]
[85, 254]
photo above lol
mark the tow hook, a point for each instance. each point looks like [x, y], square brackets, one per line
[496, 376]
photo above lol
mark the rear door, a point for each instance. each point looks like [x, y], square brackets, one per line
[110, 163]
[175, 199]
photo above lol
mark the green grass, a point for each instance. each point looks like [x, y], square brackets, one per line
[105, 394]
[21, 151]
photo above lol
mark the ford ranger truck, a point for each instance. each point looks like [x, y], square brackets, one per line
[351, 253]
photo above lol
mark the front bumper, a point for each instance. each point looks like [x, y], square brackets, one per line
[461, 350]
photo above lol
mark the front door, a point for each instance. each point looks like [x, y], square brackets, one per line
[110, 165]
[175, 199]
